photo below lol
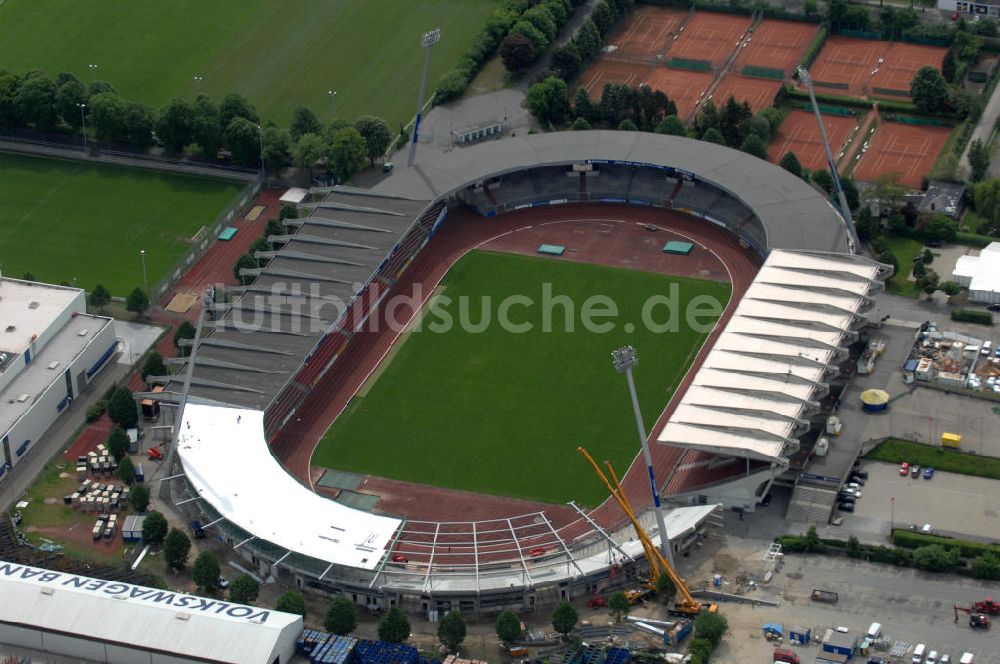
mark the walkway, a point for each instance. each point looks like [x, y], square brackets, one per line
[982, 131]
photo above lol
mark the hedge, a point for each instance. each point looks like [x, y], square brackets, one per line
[815, 47]
[885, 105]
[974, 239]
[895, 450]
[911, 540]
[972, 316]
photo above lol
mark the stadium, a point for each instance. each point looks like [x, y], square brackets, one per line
[274, 364]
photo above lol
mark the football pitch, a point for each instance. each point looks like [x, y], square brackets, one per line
[501, 412]
[278, 54]
[86, 223]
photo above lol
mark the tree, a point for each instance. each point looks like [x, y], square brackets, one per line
[307, 151]
[986, 196]
[394, 627]
[121, 408]
[140, 121]
[811, 541]
[236, 106]
[118, 443]
[618, 606]
[708, 118]
[823, 180]
[811, 9]
[564, 618]
[205, 129]
[889, 258]
[588, 39]
[711, 626]
[291, 601]
[243, 139]
[939, 227]
[583, 107]
[548, 101]
[867, 224]
[540, 17]
[304, 121]
[759, 125]
[206, 572]
[154, 528]
[517, 52]
[986, 566]
[887, 191]
[185, 330]
[616, 102]
[99, 297]
[712, 135]
[730, 118]
[139, 498]
[566, 61]
[244, 589]
[176, 548]
[377, 135]
[451, 631]
[35, 102]
[277, 142]
[753, 145]
[935, 558]
[979, 160]
[153, 366]
[508, 627]
[581, 124]
[701, 650]
[851, 192]
[836, 12]
[244, 262]
[527, 29]
[951, 288]
[347, 154]
[126, 471]
[948, 66]
[627, 125]
[99, 87]
[137, 301]
[929, 90]
[666, 589]
[671, 125]
[603, 17]
[175, 126]
[341, 618]
[69, 94]
[791, 163]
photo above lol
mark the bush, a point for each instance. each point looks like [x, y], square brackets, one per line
[291, 601]
[244, 589]
[94, 412]
[452, 86]
[154, 528]
[895, 450]
[341, 617]
[139, 498]
[711, 627]
[935, 558]
[967, 549]
[122, 409]
[972, 316]
[394, 627]
[206, 572]
[176, 548]
[814, 47]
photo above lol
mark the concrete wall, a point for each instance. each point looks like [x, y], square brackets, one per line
[743, 493]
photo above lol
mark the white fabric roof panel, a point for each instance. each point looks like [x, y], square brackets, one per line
[766, 371]
[145, 618]
[228, 461]
[966, 266]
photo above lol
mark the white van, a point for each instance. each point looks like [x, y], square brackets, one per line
[986, 348]
[966, 658]
[918, 654]
[874, 631]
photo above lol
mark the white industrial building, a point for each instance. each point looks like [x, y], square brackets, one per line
[93, 620]
[50, 350]
[979, 8]
[980, 274]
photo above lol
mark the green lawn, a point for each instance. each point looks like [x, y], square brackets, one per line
[85, 223]
[895, 450]
[904, 249]
[503, 413]
[279, 54]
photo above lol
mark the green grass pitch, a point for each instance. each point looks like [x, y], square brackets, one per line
[503, 413]
[279, 54]
[69, 220]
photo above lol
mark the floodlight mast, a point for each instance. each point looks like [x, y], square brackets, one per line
[624, 360]
[427, 41]
[845, 210]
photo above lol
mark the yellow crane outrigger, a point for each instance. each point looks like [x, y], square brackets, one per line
[685, 604]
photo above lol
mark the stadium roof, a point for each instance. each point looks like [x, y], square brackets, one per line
[794, 216]
[108, 613]
[754, 393]
[227, 460]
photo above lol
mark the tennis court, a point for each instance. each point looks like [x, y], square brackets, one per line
[799, 133]
[710, 37]
[685, 88]
[777, 44]
[846, 64]
[900, 64]
[758, 92]
[606, 70]
[647, 31]
[909, 150]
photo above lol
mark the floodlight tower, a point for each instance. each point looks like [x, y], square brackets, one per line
[624, 360]
[845, 210]
[427, 41]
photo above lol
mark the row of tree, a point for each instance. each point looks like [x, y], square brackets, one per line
[531, 35]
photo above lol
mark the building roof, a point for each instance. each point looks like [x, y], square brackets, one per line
[763, 378]
[29, 308]
[48, 367]
[227, 460]
[794, 216]
[984, 269]
[944, 197]
[198, 628]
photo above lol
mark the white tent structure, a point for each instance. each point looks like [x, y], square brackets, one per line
[980, 274]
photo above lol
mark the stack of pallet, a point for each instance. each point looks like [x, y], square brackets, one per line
[452, 659]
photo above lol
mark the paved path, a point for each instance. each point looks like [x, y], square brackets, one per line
[983, 130]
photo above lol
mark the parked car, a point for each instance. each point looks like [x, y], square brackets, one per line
[928, 472]
[993, 307]
[851, 491]
[945, 659]
[914, 471]
[863, 474]
[876, 659]
[846, 507]
[934, 244]
[855, 479]
[223, 582]
[904, 469]
[932, 657]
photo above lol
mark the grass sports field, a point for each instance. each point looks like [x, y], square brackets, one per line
[66, 220]
[503, 413]
[279, 54]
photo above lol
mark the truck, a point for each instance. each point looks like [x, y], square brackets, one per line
[828, 596]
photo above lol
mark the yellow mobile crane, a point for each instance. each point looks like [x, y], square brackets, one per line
[685, 604]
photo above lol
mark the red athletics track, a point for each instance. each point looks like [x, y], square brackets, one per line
[593, 233]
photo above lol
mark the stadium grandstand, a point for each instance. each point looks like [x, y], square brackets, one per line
[271, 342]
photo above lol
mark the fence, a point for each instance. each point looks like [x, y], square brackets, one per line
[831, 110]
[764, 72]
[206, 239]
[861, 34]
[903, 94]
[909, 120]
[691, 64]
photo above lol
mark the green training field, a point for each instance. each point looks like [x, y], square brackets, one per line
[68, 220]
[503, 413]
[279, 54]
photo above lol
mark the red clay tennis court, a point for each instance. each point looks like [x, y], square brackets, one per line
[799, 133]
[647, 31]
[685, 88]
[608, 70]
[900, 65]
[846, 63]
[909, 150]
[709, 36]
[758, 92]
[777, 44]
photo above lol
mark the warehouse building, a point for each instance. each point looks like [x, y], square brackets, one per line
[980, 274]
[50, 351]
[44, 611]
